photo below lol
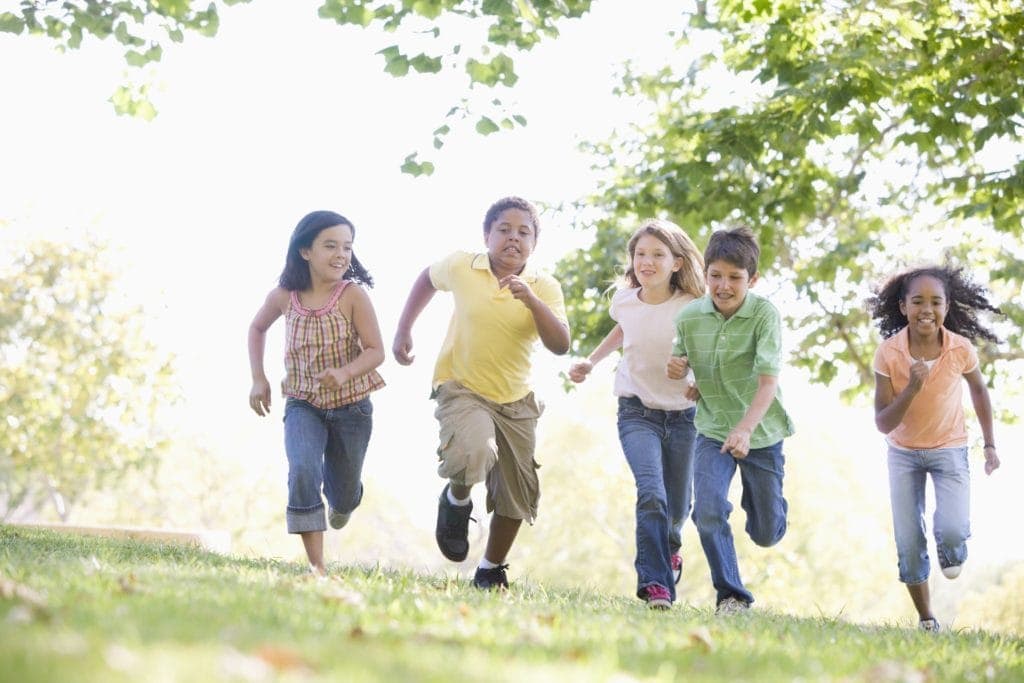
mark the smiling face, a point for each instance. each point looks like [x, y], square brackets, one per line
[653, 263]
[727, 285]
[510, 241]
[330, 254]
[925, 306]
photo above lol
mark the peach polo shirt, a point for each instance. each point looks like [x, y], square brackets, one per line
[935, 418]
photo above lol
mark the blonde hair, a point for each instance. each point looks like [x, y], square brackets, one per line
[689, 278]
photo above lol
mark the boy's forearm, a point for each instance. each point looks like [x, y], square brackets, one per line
[422, 292]
[554, 333]
[762, 401]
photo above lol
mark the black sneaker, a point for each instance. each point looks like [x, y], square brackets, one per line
[487, 579]
[452, 528]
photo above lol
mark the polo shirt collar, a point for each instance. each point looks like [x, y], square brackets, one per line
[482, 262]
[903, 340]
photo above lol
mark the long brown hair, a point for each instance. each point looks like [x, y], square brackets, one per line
[689, 278]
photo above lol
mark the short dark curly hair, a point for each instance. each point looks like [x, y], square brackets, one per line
[512, 203]
[966, 298]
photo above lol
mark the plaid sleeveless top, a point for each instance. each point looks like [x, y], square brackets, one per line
[317, 340]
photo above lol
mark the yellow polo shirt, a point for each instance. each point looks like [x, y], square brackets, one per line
[491, 335]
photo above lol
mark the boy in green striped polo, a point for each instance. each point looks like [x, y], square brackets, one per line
[731, 338]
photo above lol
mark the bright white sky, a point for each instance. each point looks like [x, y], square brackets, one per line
[283, 113]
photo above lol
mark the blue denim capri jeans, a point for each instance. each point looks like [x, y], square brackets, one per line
[325, 450]
[951, 524]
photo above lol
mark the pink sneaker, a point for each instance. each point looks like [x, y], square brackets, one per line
[677, 567]
[657, 597]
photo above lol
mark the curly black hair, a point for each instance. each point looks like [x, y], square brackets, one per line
[965, 299]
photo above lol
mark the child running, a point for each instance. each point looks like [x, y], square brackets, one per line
[731, 338]
[486, 412]
[928, 318]
[333, 346]
[664, 272]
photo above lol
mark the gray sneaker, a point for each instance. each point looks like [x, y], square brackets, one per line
[452, 532]
[731, 605]
[931, 625]
[337, 519]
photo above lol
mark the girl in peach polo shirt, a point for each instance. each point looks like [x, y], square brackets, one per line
[928, 319]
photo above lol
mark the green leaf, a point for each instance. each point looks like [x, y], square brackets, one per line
[486, 126]
[425, 64]
[11, 23]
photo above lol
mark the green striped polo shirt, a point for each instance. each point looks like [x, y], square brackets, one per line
[727, 356]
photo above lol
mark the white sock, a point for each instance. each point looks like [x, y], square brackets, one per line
[487, 564]
[456, 501]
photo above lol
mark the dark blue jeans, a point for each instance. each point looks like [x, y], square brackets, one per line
[761, 474]
[325, 448]
[658, 445]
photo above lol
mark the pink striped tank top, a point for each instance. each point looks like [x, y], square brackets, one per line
[317, 340]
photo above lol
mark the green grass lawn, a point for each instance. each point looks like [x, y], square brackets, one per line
[80, 609]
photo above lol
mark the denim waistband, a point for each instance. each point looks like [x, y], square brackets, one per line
[636, 403]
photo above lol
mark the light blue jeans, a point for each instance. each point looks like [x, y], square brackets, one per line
[761, 473]
[325, 448]
[951, 523]
[658, 445]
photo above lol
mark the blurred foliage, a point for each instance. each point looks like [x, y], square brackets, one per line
[421, 47]
[866, 131]
[79, 384]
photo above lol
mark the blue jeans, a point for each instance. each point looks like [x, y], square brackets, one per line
[658, 445]
[325, 448]
[761, 474]
[951, 524]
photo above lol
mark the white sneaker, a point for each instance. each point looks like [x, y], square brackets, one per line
[952, 571]
[931, 625]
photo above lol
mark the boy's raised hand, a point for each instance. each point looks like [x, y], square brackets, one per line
[401, 347]
[579, 370]
[676, 368]
[518, 287]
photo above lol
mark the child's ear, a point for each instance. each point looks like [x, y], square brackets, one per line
[678, 264]
[304, 253]
[753, 279]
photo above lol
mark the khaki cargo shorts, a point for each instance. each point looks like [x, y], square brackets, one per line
[476, 434]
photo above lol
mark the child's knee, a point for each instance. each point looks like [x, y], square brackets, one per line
[767, 537]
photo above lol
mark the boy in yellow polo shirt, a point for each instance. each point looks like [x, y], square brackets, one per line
[486, 410]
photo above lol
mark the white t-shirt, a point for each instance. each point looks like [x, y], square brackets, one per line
[648, 331]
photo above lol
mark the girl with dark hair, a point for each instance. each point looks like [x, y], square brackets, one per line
[928, 319]
[333, 347]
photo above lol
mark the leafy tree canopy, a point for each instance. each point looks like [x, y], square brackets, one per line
[424, 44]
[869, 130]
[79, 385]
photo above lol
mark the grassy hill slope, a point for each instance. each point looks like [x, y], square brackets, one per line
[84, 609]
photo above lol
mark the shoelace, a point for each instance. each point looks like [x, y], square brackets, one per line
[658, 593]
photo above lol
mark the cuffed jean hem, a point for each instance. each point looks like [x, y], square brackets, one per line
[306, 520]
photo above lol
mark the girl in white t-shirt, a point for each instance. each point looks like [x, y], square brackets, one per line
[664, 272]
